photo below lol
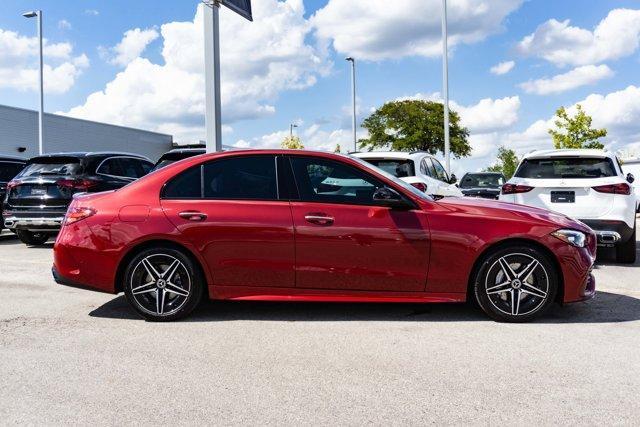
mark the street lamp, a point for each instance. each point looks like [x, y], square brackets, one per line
[445, 87]
[38, 14]
[291, 126]
[353, 100]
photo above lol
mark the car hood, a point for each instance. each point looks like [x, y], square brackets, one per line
[511, 211]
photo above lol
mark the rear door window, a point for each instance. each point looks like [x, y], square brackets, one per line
[241, 178]
[8, 170]
[566, 167]
[441, 174]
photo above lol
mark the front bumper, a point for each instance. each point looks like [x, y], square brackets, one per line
[609, 233]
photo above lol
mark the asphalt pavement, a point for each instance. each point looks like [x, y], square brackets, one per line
[70, 356]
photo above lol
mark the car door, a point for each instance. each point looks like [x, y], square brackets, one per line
[345, 241]
[447, 189]
[231, 211]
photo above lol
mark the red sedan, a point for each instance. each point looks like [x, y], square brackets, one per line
[290, 225]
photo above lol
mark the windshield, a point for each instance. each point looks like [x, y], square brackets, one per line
[399, 182]
[566, 167]
[50, 167]
[399, 168]
[481, 180]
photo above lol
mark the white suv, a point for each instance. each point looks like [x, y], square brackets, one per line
[418, 168]
[632, 166]
[588, 185]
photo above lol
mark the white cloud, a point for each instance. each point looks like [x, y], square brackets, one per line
[260, 60]
[133, 43]
[380, 29]
[63, 24]
[616, 36]
[580, 76]
[92, 12]
[19, 64]
[502, 68]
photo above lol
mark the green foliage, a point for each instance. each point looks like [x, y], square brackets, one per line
[414, 125]
[576, 131]
[337, 149]
[292, 143]
[506, 163]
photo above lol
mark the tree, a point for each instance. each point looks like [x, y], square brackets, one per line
[414, 125]
[292, 143]
[506, 164]
[576, 131]
[337, 149]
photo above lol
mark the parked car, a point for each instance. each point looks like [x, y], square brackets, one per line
[418, 168]
[486, 185]
[38, 197]
[294, 225]
[588, 185]
[9, 167]
[177, 154]
[632, 166]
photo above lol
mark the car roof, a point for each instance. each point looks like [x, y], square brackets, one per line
[186, 151]
[585, 152]
[407, 155]
[12, 158]
[83, 154]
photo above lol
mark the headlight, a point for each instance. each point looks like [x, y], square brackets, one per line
[572, 237]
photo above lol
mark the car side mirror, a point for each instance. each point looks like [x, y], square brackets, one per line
[453, 179]
[630, 178]
[389, 197]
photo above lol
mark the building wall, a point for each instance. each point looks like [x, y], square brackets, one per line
[19, 128]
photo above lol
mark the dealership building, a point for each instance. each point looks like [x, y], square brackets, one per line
[19, 135]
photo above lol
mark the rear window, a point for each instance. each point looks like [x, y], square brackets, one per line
[566, 167]
[398, 168]
[481, 180]
[51, 166]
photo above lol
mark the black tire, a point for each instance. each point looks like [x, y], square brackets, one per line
[32, 238]
[179, 291]
[524, 295]
[626, 252]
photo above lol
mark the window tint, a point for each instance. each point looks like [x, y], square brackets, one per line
[566, 167]
[8, 170]
[427, 168]
[441, 174]
[186, 185]
[132, 168]
[243, 178]
[51, 166]
[110, 167]
[320, 180]
[481, 180]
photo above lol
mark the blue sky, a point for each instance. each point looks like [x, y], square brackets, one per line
[288, 66]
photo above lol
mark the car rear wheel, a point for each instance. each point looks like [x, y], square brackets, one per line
[163, 284]
[515, 284]
[32, 238]
[626, 252]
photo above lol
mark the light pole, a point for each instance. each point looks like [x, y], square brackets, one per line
[353, 101]
[213, 121]
[38, 14]
[291, 126]
[445, 87]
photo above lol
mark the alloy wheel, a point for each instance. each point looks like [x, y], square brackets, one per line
[160, 284]
[517, 284]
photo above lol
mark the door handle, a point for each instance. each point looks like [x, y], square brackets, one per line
[319, 218]
[193, 216]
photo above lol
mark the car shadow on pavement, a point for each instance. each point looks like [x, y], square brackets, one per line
[606, 307]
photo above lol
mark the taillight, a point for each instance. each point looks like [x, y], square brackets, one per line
[420, 186]
[77, 184]
[12, 184]
[621, 188]
[514, 189]
[78, 214]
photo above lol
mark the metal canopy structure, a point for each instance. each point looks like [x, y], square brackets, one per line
[212, 65]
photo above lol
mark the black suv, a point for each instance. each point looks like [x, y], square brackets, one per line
[38, 197]
[177, 154]
[9, 167]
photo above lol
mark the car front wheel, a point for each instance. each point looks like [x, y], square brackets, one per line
[515, 284]
[163, 284]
